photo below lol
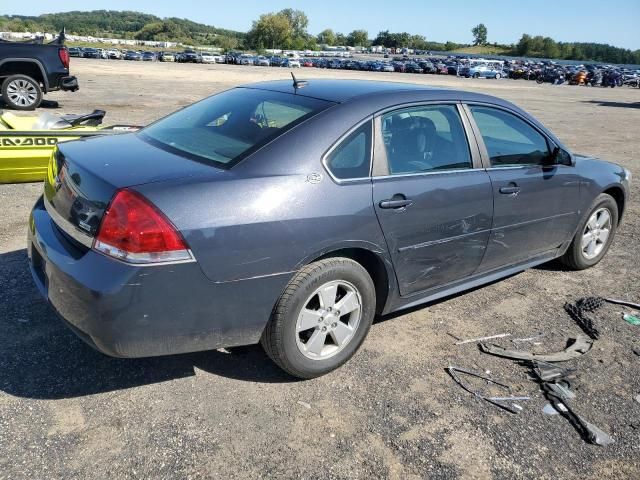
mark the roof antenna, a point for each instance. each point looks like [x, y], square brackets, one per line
[298, 83]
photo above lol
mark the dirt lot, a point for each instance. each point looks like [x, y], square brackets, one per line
[67, 411]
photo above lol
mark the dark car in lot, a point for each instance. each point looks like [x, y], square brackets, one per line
[148, 57]
[213, 228]
[190, 56]
[412, 67]
[132, 55]
[91, 53]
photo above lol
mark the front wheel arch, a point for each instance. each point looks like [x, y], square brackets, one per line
[618, 195]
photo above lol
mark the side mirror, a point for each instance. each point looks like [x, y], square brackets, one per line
[558, 156]
[551, 159]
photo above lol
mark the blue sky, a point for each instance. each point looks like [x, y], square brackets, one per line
[616, 22]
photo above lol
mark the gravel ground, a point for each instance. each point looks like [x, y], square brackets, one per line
[67, 411]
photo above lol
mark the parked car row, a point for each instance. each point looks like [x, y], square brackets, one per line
[541, 71]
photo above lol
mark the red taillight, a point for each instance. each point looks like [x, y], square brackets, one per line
[135, 231]
[63, 53]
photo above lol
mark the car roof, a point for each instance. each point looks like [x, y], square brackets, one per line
[338, 91]
[342, 91]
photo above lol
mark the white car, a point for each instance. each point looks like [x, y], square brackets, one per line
[262, 61]
[208, 57]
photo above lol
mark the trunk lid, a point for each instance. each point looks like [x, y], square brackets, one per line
[84, 175]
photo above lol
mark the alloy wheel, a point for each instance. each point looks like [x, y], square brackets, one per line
[22, 92]
[596, 233]
[328, 320]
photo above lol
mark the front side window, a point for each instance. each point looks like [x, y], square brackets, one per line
[510, 141]
[425, 139]
[225, 128]
[352, 157]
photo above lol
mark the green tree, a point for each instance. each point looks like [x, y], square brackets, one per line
[341, 39]
[326, 37]
[524, 45]
[479, 34]
[298, 21]
[550, 48]
[358, 38]
[271, 30]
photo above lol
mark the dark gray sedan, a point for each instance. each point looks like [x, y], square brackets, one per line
[291, 214]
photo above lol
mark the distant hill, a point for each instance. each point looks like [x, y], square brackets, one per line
[126, 24]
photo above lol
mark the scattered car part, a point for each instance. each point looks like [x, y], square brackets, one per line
[549, 409]
[482, 339]
[533, 338]
[547, 372]
[589, 431]
[560, 389]
[631, 319]
[579, 310]
[577, 347]
[496, 400]
[623, 302]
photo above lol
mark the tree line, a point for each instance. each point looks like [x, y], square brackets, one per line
[125, 24]
[287, 29]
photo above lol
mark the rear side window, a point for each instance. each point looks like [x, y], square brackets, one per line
[225, 128]
[510, 141]
[425, 139]
[352, 157]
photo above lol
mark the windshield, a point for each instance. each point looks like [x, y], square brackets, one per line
[225, 128]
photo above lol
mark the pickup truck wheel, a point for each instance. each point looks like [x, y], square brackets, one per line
[21, 92]
[322, 317]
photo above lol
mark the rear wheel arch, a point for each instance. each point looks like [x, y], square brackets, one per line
[375, 266]
[29, 67]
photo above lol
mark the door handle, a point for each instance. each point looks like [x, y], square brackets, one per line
[510, 190]
[398, 201]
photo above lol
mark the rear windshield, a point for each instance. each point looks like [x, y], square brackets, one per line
[225, 128]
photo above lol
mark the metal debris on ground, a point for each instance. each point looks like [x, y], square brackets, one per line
[529, 339]
[482, 339]
[576, 348]
[557, 390]
[623, 302]
[548, 371]
[494, 400]
[631, 319]
[589, 431]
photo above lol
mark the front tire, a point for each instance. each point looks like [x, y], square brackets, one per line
[322, 318]
[21, 92]
[594, 235]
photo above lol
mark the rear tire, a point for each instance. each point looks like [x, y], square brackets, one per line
[21, 92]
[587, 247]
[308, 335]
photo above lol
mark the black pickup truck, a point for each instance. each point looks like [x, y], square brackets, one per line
[30, 69]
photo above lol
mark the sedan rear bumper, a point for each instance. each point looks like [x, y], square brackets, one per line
[132, 311]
